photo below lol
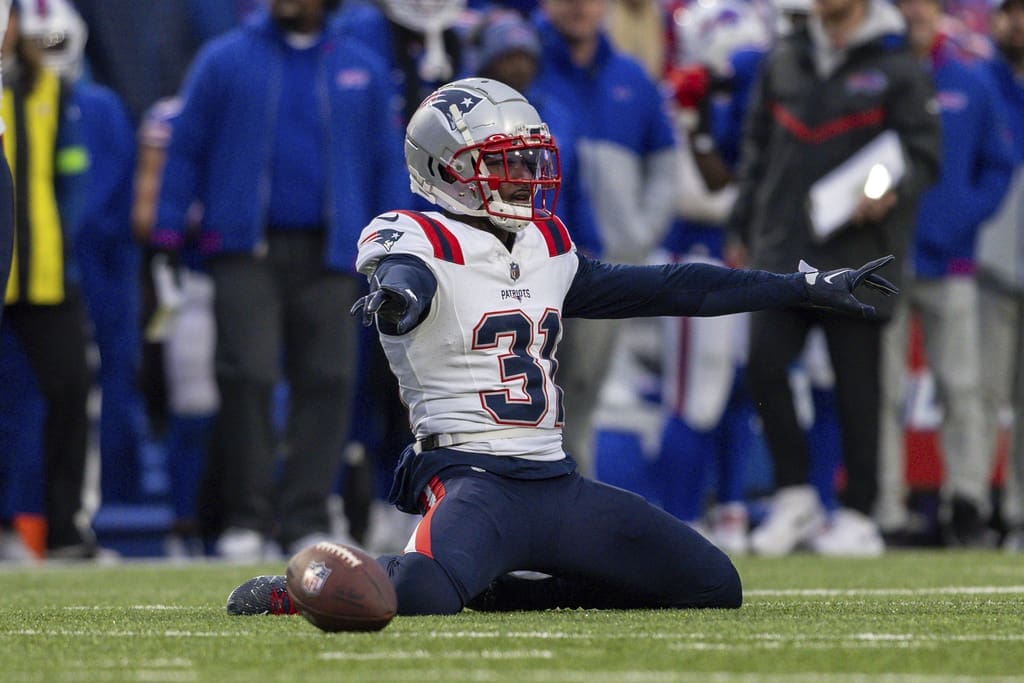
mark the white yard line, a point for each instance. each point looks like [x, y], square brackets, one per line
[866, 592]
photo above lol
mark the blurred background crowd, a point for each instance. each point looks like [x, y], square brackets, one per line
[179, 375]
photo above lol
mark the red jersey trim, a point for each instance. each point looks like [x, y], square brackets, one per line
[446, 245]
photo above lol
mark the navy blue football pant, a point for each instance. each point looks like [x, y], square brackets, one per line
[605, 547]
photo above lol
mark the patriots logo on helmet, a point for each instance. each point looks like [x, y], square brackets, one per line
[463, 100]
[385, 238]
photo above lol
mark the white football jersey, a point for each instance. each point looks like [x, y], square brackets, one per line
[483, 360]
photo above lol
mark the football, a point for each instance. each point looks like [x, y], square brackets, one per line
[340, 588]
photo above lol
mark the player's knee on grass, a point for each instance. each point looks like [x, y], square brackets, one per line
[421, 585]
[728, 594]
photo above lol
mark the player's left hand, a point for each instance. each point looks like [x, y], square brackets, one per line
[400, 307]
[833, 289]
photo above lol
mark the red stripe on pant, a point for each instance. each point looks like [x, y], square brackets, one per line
[421, 543]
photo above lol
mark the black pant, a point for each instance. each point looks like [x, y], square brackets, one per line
[282, 310]
[777, 339]
[6, 227]
[54, 340]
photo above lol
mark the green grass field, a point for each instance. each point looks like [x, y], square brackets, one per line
[909, 616]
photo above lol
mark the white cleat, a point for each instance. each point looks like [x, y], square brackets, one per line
[241, 545]
[849, 534]
[729, 528]
[796, 515]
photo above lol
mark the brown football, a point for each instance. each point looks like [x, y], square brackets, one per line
[341, 588]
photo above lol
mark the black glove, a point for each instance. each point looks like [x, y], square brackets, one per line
[400, 308]
[833, 289]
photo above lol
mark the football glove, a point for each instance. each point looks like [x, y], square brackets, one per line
[399, 307]
[833, 289]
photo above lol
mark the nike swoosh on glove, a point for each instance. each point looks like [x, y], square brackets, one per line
[833, 289]
[400, 307]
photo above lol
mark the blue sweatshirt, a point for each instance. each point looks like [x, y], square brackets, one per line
[626, 142]
[976, 166]
[222, 147]
[109, 136]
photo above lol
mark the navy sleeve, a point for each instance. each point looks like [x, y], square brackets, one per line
[603, 290]
[405, 272]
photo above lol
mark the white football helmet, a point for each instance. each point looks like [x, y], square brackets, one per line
[431, 18]
[59, 32]
[709, 32]
[471, 135]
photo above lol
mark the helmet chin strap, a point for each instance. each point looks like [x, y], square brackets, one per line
[492, 196]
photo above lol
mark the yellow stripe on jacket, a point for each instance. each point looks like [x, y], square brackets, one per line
[46, 250]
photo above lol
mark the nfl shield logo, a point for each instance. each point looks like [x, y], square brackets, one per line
[314, 578]
[513, 271]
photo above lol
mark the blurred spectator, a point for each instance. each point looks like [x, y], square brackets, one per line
[629, 419]
[639, 28]
[141, 48]
[183, 323]
[791, 16]
[418, 39]
[628, 166]
[271, 141]
[1001, 276]
[106, 255]
[6, 187]
[941, 289]
[822, 95]
[421, 45]
[709, 432]
[8, 536]
[45, 310]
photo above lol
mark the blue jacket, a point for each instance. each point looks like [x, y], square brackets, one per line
[976, 167]
[573, 201]
[626, 142]
[221, 146]
[109, 137]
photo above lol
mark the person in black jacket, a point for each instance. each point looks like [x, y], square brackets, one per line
[824, 93]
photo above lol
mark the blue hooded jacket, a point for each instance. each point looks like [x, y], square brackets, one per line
[220, 152]
[625, 141]
[976, 167]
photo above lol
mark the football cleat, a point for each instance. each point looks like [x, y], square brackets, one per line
[261, 595]
[796, 515]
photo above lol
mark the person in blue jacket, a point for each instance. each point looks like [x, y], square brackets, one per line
[626, 152]
[289, 140]
[1001, 275]
[941, 285]
[107, 257]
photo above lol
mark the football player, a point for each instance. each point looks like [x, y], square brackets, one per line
[469, 302]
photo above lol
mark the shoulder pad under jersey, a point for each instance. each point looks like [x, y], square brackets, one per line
[407, 232]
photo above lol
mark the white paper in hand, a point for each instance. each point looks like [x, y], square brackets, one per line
[835, 196]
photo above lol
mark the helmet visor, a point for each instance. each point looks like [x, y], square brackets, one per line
[516, 173]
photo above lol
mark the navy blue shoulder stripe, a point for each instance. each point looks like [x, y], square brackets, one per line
[556, 235]
[446, 245]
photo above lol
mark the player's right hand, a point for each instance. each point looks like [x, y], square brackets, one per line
[399, 307]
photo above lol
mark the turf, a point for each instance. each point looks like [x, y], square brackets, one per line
[909, 616]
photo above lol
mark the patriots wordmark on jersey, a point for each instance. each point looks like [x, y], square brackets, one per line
[483, 359]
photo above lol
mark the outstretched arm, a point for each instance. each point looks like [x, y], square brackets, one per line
[401, 289]
[602, 290]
